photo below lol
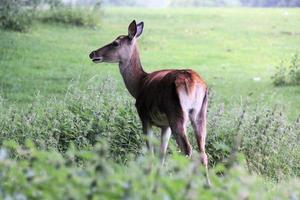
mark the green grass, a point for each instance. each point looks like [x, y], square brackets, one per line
[228, 47]
[108, 159]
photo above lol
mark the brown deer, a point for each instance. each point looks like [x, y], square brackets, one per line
[166, 98]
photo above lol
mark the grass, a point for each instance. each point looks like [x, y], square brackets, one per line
[228, 47]
[90, 144]
[65, 101]
[100, 178]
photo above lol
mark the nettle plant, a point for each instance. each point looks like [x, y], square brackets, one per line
[287, 73]
[87, 117]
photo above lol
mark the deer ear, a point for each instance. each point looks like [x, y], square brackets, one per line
[132, 29]
[140, 27]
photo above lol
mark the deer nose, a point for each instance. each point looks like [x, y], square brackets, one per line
[92, 55]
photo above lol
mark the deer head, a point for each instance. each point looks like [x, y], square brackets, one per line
[120, 50]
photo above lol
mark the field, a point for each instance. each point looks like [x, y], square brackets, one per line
[54, 96]
[229, 48]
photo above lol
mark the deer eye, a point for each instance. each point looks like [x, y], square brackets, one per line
[115, 43]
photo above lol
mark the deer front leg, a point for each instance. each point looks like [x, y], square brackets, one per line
[147, 130]
[165, 136]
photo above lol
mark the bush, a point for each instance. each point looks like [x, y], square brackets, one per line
[72, 15]
[80, 174]
[17, 15]
[268, 140]
[84, 118]
[288, 75]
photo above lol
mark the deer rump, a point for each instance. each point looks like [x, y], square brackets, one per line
[168, 95]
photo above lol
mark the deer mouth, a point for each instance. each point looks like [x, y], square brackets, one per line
[97, 60]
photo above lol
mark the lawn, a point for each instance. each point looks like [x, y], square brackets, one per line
[230, 48]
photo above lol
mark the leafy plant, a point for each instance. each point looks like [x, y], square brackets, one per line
[72, 15]
[29, 173]
[17, 15]
[91, 115]
[288, 75]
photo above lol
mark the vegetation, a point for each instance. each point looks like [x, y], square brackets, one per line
[67, 131]
[107, 156]
[288, 75]
[86, 117]
[38, 174]
[45, 61]
[248, 3]
[73, 16]
[201, 3]
[17, 15]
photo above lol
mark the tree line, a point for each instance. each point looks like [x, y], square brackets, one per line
[204, 3]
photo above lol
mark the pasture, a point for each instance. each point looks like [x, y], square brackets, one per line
[68, 127]
[230, 48]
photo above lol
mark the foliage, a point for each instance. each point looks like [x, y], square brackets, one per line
[29, 173]
[271, 3]
[288, 74]
[17, 15]
[120, 2]
[72, 15]
[85, 117]
[201, 3]
[268, 140]
[53, 3]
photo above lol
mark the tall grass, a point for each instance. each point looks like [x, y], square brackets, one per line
[94, 114]
[72, 16]
[81, 174]
[287, 73]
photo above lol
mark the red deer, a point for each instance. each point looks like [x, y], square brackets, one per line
[166, 98]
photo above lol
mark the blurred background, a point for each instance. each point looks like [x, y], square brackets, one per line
[191, 3]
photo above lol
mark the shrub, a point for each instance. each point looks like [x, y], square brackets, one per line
[39, 174]
[288, 75]
[17, 15]
[53, 3]
[88, 116]
[72, 15]
[268, 139]
[85, 117]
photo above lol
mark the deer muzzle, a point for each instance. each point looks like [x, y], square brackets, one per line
[95, 58]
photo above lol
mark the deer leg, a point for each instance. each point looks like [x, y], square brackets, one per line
[147, 130]
[199, 125]
[200, 133]
[178, 127]
[165, 136]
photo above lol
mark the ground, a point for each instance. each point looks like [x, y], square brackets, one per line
[234, 50]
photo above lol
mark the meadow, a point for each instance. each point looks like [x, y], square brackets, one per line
[65, 119]
[229, 48]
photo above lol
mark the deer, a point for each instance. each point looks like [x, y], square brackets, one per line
[167, 99]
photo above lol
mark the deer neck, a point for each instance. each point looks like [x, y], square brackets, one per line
[132, 72]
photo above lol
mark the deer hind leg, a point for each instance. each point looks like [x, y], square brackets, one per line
[199, 127]
[198, 120]
[178, 127]
[165, 136]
